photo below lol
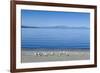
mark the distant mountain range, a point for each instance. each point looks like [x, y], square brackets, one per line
[66, 27]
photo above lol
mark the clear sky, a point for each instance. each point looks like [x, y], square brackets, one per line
[53, 18]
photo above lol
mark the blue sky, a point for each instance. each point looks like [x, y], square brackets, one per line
[53, 18]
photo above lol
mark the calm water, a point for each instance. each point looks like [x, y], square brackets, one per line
[55, 38]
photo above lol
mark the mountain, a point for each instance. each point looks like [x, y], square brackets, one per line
[63, 27]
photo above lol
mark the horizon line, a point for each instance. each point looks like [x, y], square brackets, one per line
[81, 27]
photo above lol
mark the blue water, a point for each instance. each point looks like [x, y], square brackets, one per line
[55, 38]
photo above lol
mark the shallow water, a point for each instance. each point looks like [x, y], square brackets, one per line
[55, 38]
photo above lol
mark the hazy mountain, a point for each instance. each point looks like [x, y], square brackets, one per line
[66, 27]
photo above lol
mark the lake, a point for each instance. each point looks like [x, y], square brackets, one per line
[54, 38]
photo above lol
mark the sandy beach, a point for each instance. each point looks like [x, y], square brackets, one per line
[28, 56]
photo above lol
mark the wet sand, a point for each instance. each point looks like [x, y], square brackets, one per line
[28, 56]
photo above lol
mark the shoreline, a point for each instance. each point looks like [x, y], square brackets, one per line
[53, 55]
[55, 49]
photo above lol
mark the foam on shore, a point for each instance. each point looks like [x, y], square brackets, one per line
[28, 56]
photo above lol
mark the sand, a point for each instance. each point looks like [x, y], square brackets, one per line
[28, 56]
